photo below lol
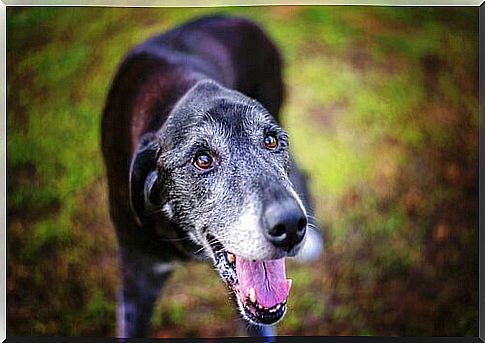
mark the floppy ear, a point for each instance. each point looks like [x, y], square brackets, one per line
[145, 184]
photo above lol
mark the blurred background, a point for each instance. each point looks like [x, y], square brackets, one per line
[382, 111]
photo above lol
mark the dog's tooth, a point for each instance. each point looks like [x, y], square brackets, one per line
[277, 307]
[252, 295]
[231, 257]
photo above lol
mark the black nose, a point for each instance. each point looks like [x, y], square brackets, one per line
[285, 224]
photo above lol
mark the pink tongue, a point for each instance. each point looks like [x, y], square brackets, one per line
[268, 278]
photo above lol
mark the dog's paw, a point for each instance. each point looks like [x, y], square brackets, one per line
[312, 247]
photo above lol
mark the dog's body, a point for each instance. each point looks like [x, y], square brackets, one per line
[184, 96]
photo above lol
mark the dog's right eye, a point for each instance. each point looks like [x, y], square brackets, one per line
[203, 161]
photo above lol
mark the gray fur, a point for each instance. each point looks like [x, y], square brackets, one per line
[227, 201]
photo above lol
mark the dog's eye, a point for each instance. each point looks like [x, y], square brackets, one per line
[270, 141]
[203, 161]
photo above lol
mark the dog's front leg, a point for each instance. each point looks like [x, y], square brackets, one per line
[260, 331]
[253, 330]
[142, 278]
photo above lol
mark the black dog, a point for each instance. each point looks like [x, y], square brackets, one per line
[196, 161]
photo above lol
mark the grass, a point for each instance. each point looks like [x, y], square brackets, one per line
[382, 111]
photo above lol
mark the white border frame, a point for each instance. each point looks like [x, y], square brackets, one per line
[3, 172]
[146, 3]
[216, 3]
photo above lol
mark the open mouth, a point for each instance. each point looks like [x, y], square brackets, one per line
[261, 287]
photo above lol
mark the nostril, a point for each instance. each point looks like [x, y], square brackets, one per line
[301, 224]
[278, 230]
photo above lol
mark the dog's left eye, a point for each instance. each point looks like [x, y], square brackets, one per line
[270, 141]
[203, 161]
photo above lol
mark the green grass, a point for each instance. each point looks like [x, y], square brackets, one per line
[382, 112]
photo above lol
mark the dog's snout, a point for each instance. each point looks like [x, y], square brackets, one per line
[285, 224]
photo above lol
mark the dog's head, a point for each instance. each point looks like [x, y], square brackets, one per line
[218, 169]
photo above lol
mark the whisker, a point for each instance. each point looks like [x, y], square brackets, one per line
[157, 211]
[311, 216]
[199, 250]
[313, 226]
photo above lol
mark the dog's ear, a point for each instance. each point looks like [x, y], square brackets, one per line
[145, 183]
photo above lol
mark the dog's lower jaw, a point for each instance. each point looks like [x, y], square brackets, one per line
[245, 317]
[248, 305]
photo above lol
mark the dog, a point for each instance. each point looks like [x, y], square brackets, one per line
[196, 161]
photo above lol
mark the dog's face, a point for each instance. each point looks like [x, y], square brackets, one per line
[222, 176]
